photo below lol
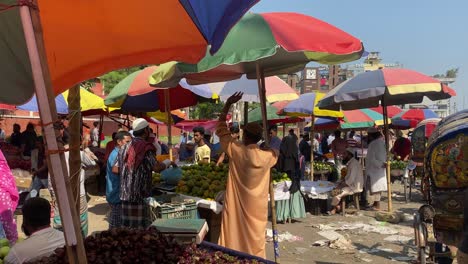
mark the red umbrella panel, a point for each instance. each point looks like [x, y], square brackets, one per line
[392, 110]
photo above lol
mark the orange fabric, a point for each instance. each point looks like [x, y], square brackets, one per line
[245, 213]
[85, 39]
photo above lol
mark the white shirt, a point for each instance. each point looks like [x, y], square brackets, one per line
[40, 244]
[375, 159]
[354, 175]
[330, 139]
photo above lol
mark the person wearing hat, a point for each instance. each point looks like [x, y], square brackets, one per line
[402, 147]
[352, 183]
[136, 162]
[245, 214]
[376, 174]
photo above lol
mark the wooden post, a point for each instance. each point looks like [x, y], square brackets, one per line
[101, 124]
[284, 129]
[74, 159]
[387, 144]
[46, 102]
[246, 113]
[312, 124]
[266, 135]
[167, 99]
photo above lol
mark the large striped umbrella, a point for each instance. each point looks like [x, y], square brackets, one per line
[352, 119]
[134, 94]
[412, 117]
[276, 89]
[255, 115]
[279, 42]
[392, 110]
[306, 105]
[91, 104]
[385, 87]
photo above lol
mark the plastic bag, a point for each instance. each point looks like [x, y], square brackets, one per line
[171, 175]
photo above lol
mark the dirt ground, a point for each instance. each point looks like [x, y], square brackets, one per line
[365, 246]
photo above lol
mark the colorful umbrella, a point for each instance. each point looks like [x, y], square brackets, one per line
[91, 104]
[352, 119]
[134, 94]
[305, 105]
[255, 115]
[385, 87]
[276, 89]
[392, 110]
[152, 32]
[279, 42]
[411, 118]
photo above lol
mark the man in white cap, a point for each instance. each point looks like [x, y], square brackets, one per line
[353, 181]
[375, 168]
[136, 162]
[245, 214]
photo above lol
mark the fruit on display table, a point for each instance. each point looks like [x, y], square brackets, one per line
[398, 165]
[279, 176]
[322, 166]
[123, 245]
[203, 180]
[4, 248]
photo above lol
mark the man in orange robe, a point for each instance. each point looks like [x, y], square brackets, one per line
[245, 214]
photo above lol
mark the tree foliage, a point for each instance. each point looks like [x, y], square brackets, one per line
[111, 79]
[207, 110]
[450, 73]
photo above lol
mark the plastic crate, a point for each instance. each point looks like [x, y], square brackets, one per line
[184, 209]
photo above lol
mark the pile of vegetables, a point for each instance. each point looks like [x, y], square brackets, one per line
[203, 180]
[398, 165]
[322, 166]
[123, 245]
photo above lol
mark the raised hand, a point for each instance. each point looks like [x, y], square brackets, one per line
[234, 98]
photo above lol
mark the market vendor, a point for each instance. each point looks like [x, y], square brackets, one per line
[137, 161]
[187, 151]
[245, 214]
[376, 175]
[352, 183]
[402, 147]
[203, 151]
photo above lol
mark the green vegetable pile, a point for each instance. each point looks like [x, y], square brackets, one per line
[398, 165]
[203, 180]
[322, 166]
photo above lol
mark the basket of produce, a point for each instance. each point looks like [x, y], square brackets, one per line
[203, 180]
[322, 168]
[124, 245]
[398, 167]
[176, 208]
[279, 176]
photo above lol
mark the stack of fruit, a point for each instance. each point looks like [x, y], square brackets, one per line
[203, 180]
[279, 176]
[321, 167]
[4, 249]
[156, 179]
[398, 165]
[122, 245]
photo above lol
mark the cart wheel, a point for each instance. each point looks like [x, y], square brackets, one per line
[422, 255]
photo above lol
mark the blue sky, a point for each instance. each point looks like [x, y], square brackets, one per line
[429, 36]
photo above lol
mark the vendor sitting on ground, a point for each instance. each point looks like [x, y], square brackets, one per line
[352, 182]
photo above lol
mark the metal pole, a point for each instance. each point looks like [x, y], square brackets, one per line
[167, 99]
[46, 102]
[262, 94]
[387, 144]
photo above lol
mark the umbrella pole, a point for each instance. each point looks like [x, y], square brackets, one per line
[262, 94]
[362, 152]
[246, 113]
[387, 167]
[101, 123]
[74, 159]
[312, 124]
[31, 23]
[284, 129]
[169, 121]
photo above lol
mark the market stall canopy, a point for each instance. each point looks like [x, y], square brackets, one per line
[85, 39]
[392, 110]
[189, 125]
[384, 86]
[306, 105]
[91, 104]
[280, 42]
[255, 115]
[161, 117]
[352, 119]
[134, 94]
[410, 118]
[276, 90]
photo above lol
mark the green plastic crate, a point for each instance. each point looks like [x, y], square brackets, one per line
[175, 210]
